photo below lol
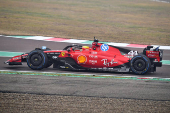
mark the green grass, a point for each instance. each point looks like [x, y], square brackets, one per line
[128, 21]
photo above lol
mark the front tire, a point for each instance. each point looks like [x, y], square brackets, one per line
[49, 61]
[140, 64]
[37, 60]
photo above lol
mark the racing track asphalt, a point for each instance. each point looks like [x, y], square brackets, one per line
[133, 89]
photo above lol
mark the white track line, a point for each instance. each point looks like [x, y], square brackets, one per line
[43, 38]
[86, 74]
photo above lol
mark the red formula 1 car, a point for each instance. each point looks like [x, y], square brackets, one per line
[100, 56]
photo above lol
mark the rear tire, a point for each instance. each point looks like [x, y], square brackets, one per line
[37, 60]
[140, 64]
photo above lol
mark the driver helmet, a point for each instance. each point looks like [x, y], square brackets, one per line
[85, 47]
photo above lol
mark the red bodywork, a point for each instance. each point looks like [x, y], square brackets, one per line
[96, 58]
[99, 56]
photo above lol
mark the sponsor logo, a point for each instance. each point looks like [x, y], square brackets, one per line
[93, 61]
[104, 47]
[62, 53]
[151, 55]
[16, 58]
[54, 57]
[93, 56]
[153, 52]
[106, 63]
[81, 59]
[95, 53]
[53, 53]
[129, 56]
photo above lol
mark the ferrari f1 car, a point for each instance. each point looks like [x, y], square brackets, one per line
[99, 56]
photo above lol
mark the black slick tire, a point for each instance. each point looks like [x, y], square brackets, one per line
[140, 64]
[49, 61]
[37, 60]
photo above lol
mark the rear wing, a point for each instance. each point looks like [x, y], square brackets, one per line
[153, 53]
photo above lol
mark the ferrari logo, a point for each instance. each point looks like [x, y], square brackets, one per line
[62, 53]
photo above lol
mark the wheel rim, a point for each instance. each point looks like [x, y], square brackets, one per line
[139, 65]
[36, 59]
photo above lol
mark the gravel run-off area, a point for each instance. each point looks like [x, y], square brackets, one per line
[20, 102]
